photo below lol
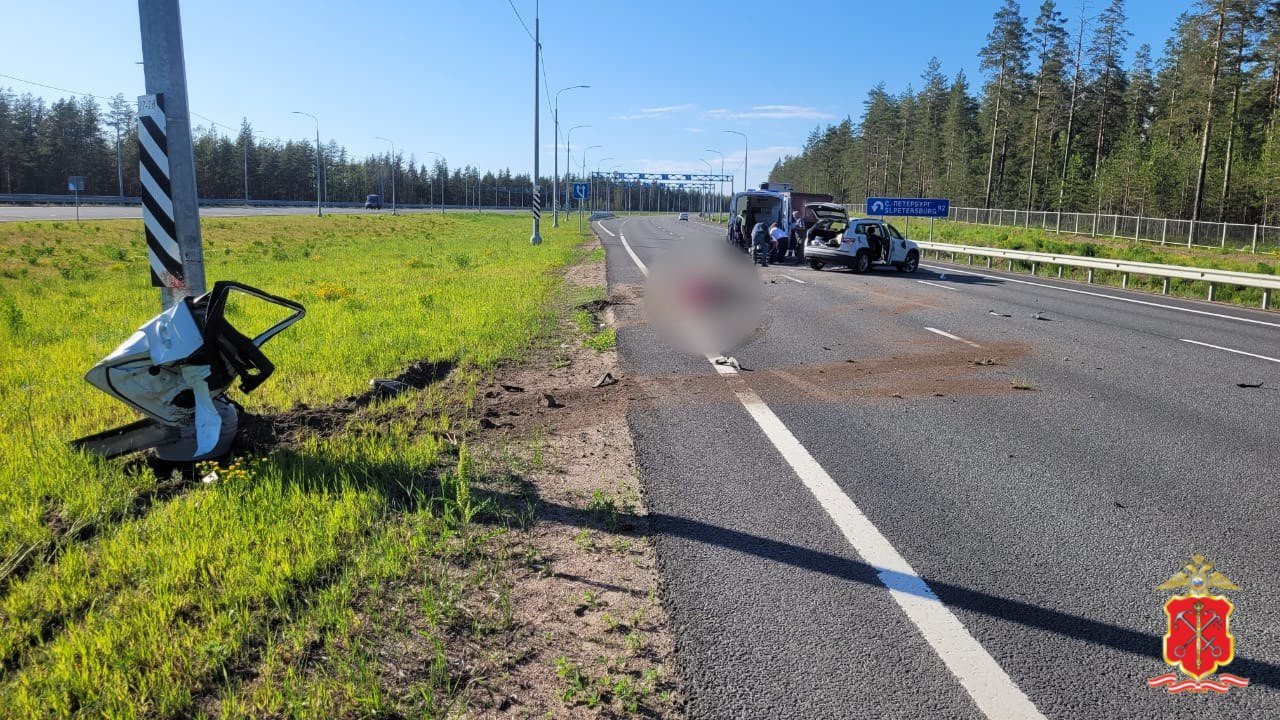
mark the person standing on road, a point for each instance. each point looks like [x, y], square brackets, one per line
[797, 236]
[779, 238]
[760, 239]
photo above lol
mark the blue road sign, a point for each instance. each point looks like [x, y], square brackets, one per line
[581, 191]
[916, 207]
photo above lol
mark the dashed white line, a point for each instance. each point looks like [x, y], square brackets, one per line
[946, 334]
[990, 687]
[1104, 295]
[1230, 350]
[932, 284]
[796, 280]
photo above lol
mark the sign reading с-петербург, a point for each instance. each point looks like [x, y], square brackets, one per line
[915, 207]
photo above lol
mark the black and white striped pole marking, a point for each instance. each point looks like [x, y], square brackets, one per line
[157, 195]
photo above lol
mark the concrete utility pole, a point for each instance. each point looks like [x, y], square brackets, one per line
[393, 173]
[165, 71]
[319, 195]
[555, 154]
[537, 61]
[746, 159]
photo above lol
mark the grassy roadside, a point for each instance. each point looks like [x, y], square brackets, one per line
[128, 593]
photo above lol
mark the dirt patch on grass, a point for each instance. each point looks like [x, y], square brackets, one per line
[592, 638]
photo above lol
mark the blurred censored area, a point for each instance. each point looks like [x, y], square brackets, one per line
[703, 300]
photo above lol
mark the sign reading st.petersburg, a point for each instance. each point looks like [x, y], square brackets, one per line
[914, 207]
[581, 191]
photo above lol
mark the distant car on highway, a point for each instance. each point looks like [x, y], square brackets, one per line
[683, 216]
[856, 243]
[373, 202]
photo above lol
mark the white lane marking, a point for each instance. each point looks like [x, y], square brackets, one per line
[795, 280]
[602, 227]
[991, 688]
[1104, 295]
[946, 334]
[633, 255]
[944, 287]
[1227, 349]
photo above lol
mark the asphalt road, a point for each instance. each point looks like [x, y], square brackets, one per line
[1022, 484]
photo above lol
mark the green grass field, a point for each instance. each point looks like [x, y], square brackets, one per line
[124, 594]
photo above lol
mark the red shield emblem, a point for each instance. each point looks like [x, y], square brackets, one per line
[1199, 637]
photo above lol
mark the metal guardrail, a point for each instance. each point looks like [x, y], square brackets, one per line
[43, 199]
[1266, 283]
[1241, 237]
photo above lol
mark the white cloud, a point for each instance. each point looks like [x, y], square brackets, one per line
[667, 109]
[773, 112]
[654, 112]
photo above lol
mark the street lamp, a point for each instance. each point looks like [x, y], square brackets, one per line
[568, 138]
[720, 200]
[599, 162]
[745, 158]
[393, 173]
[442, 179]
[319, 211]
[555, 186]
[711, 171]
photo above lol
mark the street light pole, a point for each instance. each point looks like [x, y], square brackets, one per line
[536, 239]
[319, 211]
[555, 184]
[568, 141]
[746, 158]
[720, 190]
[712, 171]
[393, 173]
[599, 162]
[442, 179]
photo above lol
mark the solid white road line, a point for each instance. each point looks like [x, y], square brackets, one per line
[944, 287]
[796, 280]
[946, 334]
[602, 227]
[640, 264]
[992, 690]
[1227, 349]
[1103, 295]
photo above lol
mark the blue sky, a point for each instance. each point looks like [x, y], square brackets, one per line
[667, 77]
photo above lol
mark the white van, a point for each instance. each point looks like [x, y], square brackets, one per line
[773, 202]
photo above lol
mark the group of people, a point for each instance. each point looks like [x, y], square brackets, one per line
[771, 243]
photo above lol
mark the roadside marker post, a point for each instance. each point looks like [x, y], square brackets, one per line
[166, 83]
[176, 368]
[75, 184]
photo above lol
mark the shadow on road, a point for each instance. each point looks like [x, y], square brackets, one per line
[956, 596]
